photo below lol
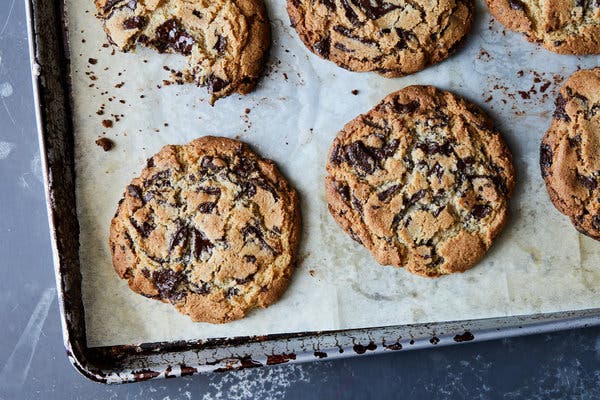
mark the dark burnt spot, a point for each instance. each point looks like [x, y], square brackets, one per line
[280, 358]
[395, 346]
[144, 375]
[320, 354]
[465, 337]
[360, 349]
[105, 143]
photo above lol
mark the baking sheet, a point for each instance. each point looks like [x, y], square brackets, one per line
[538, 264]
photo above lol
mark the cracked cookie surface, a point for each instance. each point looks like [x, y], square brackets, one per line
[225, 41]
[562, 26]
[422, 180]
[570, 152]
[209, 227]
[393, 37]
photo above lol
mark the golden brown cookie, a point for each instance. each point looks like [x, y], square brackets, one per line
[393, 38]
[422, 180]
[209, 227]
[566, 27]
[570, 152]
[225, 41]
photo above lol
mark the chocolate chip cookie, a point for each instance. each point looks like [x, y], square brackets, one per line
[225, 41]
[393, 38]
[566, 27]
[209, 227]
[422, 180]
[570, 152]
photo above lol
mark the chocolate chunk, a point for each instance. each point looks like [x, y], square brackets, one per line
[134, 191]
[517, 5]
[409, 107]
[436, 170]
[431, 148]
[203, 288]
[105, 143]
[480, 211]
[145, 229]
[249, 258]
[575, 141]
[247, 190]
[375, 9]
[166, 281]
[336, 157]
[254, 233]
[207, 208]
[210, 190]
[216, 84]
[232, 292]
[588, 182]
[388, 193]
[359, 156]
[201, 243]
[181, 237]
[560, 112]
[596, 222]
[221, 44]
[170, 35]
[245, 280]
[343, 190]
[416, 197]
[545, 158]
[197, 14]
[207, 162]
[323, 46]
[349, 13]
[330, 4]
[137, 22]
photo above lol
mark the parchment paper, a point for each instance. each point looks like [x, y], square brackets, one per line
[538, 264]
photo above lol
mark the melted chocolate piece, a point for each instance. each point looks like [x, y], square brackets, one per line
[170, 35]
[409, 108]
[588, 182]
[134, 191]
[516, 5]
[359, 156]
[560, 112]
[166, 281]
[216, 84]
[416, 197]
[431, 148]
[343, 190]
[480, 211]
[207, 208]
[323, 46]
[221, 44]
[137, 22]
[376, 9]
[388, 193]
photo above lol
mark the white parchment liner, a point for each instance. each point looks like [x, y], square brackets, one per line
[538, 264]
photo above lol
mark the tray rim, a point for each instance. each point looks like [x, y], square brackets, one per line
[122, 364]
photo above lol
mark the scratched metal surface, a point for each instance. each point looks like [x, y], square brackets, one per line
[32, 358]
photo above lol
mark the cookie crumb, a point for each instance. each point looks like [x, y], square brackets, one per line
[105, 143]
[107, 123]
[92, 61]
[355, 92]
[247, 111]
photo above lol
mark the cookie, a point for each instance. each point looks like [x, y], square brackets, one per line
[570, 152]
[393, 38]
[209, 227]
[422, 181]
[225, 41]
[565, 27]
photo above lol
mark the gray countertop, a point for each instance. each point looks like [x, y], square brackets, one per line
[33, 363]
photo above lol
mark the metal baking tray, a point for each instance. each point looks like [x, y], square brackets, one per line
[119, 364]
